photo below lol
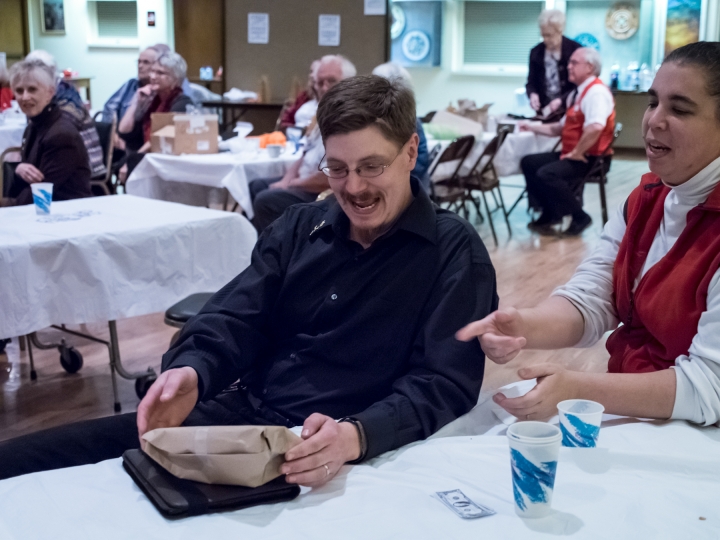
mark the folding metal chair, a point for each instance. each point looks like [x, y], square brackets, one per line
[105, 133]
[484, 178]
[447, 188]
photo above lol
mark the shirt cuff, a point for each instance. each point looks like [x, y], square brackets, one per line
[589, 337]
[379, 430]
[683, 408]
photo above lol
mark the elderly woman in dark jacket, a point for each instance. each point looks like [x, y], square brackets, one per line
[163, 94]
[52, 150]
[547, 82]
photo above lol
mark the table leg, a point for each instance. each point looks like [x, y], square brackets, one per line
[33, 373]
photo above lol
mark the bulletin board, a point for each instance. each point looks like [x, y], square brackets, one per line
[293, 41]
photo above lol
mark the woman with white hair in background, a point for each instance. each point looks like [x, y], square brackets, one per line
[164, 94]
[53, 150]
[393, 71]
[547, 82]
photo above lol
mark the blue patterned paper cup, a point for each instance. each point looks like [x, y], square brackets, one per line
[580, 422]
[42, 197]
[534, 449]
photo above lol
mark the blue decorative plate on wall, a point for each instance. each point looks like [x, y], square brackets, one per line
[588, 40]
[416, 45]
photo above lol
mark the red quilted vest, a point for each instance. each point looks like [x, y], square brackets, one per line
[660, 318]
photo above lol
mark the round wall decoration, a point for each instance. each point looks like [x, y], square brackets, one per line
[416, 45]
[398, 21]
[622, 21]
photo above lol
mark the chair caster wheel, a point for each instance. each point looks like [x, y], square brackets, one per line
[143, 384]
[70, 359]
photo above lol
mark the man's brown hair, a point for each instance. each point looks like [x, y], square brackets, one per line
[368, 100]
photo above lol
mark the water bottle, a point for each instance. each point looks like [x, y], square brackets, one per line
[646, 78]
[615, 76]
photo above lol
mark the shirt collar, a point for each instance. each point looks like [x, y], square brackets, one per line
[583, 85]
[698, 188]
[418, 218]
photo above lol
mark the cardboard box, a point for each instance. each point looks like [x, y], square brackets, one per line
[184, 133]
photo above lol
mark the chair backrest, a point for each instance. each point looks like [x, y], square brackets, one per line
[7, 170]
[428, 117]
[456, 151]
[434, 153]
[105, 132]
[484, 163]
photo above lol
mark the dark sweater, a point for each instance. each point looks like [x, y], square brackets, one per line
[53, 144]
[136, 138]
[536, 75]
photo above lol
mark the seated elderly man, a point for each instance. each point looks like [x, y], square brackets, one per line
[53, 150]
[344, 322]
[303, 181]
[120, 100]
[555, 179]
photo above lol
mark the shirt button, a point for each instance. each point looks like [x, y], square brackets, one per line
[333, 296]
[293, 356]
[264, 391]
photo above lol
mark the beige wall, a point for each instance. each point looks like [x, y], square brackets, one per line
[294, 41]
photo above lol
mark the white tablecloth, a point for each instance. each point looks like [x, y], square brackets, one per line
[11, 133]
[645, 480]
[189, 179]
[507, 161]
[105, 258]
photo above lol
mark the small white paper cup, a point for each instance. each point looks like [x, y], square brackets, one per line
[42, 197]
[534, 449]
[580, 422]
[274, 150]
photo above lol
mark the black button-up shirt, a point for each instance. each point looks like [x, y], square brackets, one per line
[316, 323]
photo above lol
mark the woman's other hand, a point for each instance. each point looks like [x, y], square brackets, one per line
[535, 101]
[501, 334]
[30, 173]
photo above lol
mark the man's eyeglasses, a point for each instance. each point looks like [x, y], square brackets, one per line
[370, 170]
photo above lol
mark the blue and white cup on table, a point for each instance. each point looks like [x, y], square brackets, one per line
[580, 422]
[42, 197]
[534, 449]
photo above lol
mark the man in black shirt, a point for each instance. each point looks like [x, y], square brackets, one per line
[348, 311]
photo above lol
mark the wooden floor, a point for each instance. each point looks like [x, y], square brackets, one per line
[528, 268]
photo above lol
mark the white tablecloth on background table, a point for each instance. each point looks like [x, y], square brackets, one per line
[189, 178]
[507, 161]
[11, 132]
[645, 480]
[106, 258]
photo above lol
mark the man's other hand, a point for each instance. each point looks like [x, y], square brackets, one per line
[326, 447]
[169, 400]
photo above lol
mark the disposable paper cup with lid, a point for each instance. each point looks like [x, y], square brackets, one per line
[42, 197]
[580, 422]
[534, 449]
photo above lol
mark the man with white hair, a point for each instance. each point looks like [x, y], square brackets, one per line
[120, 101]
[303, 181]
[555, 179]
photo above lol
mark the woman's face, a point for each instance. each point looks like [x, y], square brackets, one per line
[33, 95]
[680, 127]
[161, 79]
[551, 37]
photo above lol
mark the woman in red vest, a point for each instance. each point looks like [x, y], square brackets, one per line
[656, 271]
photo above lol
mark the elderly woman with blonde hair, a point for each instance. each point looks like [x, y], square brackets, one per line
[547, 82]
[53, 150]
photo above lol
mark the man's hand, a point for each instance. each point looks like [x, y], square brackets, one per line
[501, 334]
[524, 126]
[554, 384]
[326, 447]
[169, 400]
[30, 173]
[554, 105]
[535, 101]
[281, 184]
[574, 156]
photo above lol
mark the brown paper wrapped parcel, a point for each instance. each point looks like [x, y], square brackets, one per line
[236, 455]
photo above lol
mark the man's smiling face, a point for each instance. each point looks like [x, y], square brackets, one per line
[372, 204]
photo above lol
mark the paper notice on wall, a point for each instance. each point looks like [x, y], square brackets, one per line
[258, 28]
[329, 31]
[375, 7]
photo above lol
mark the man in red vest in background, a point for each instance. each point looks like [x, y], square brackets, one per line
[554, 179]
